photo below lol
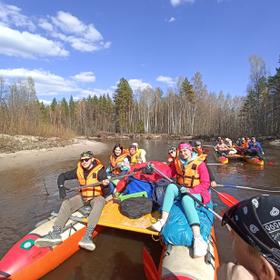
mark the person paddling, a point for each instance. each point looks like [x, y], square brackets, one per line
[89, 171]
[192, 176]
[255, 230]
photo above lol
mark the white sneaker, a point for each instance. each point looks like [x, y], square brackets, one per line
[87, 243]
[199, 247]
[158, 225]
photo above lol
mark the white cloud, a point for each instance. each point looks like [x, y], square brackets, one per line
[167, 80]
[44, 24]
[81, 37]
[86, 77]
[68, 23]
[137, 84]
[176, 3]
[28, 45]
[11, 16]
[49, 85]
[17, 40]
[172, 19]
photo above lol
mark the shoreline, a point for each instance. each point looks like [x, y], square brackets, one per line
[41, 157]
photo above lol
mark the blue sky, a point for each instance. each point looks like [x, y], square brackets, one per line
[84, 47]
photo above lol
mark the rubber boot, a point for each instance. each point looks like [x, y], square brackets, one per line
[86, 241]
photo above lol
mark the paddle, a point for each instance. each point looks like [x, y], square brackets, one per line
[189, 194]
[247, 188]
[100, 183]
[226, 198]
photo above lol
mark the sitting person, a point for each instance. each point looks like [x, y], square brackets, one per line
[197, 147]
[221, 148]
[228, 142]
[192, 176]
[255, 235]
[141, 152]
[119, 162]
[171, 155]
[134, 156]
[199, 150]
[255, 149]
[89, 171]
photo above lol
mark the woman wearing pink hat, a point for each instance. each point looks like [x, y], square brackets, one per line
[191, 176]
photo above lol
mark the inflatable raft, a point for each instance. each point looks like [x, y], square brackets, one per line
[254, 160]
[26, 261]
[178, 263]
[221, 159]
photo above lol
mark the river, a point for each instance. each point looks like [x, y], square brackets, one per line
[24, 202]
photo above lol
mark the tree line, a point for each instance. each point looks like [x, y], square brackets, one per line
[186, 109]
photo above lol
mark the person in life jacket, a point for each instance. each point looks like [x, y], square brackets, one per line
[255, 148]
[133, 156]
[94, 187]
[191, 176]
[255, 238]
[140, 152]
[199, 150]
[119, 162]
[171, 155]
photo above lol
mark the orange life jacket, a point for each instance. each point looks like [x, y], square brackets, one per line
[90, 192]
[188, 175]
[199, 151]
[114, 161]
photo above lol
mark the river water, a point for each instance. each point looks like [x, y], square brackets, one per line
[118, 255]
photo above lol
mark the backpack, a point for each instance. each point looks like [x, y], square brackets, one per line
[135, 185]
[159, 191]
[136, 207]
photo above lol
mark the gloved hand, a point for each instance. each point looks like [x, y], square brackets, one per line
[62, 192]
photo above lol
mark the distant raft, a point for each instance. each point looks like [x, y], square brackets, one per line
[254, 160]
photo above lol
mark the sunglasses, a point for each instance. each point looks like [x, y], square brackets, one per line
[84, 160]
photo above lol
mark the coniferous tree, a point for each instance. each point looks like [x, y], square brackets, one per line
[123, 99]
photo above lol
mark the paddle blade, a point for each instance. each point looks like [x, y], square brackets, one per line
[227, 199]
[149, 266]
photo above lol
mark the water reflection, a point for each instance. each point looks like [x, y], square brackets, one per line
[24, 203]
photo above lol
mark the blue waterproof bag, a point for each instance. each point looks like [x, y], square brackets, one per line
[134, 185]
[177, 230]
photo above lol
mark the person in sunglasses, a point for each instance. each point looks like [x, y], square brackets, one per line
[255, 230]
[172, 152]
[89, 171]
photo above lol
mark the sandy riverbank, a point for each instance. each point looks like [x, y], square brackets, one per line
[43, 156]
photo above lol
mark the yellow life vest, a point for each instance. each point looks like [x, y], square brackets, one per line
[135, 159]
[188, 175]
[114, 161]
[90, 192]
